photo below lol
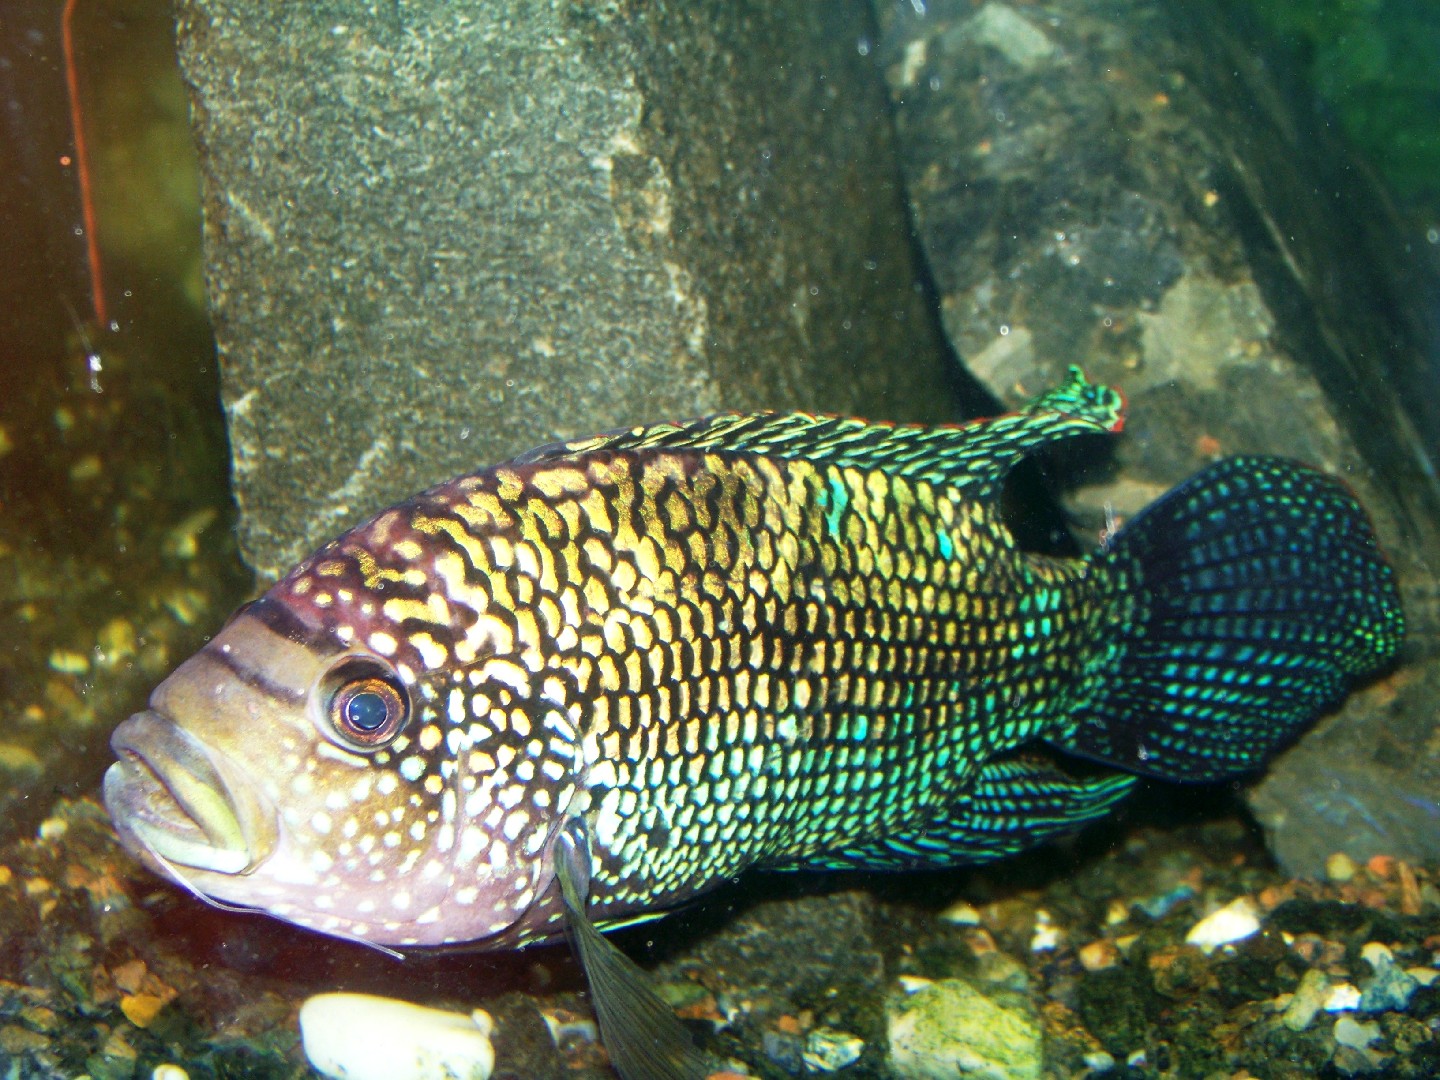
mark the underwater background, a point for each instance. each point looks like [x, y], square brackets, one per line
[268, 270]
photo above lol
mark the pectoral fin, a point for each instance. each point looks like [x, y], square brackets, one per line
[642, 1035]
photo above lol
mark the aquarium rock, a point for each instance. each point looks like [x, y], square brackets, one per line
[1144, 192]
[952, 1028]
[435, 239]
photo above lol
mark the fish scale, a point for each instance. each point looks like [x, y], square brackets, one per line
[585, 685]
[758, 589]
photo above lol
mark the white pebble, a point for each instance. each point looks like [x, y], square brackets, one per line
[1377, 955]
[362, 1037]
[1351, 1032]
[1046, 935]
[961, 914]
[1343, 997]
[169, 1072]
[913, 984]
[1235, 921]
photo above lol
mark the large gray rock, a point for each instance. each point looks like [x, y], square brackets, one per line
[1121, 185]
[437, 236]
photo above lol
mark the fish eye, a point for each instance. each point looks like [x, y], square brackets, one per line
[367, 705]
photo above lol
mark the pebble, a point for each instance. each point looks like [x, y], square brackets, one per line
[1047, 935]
[961, 914]
[950, 1028]
[1353, 1033]
[1235, 921]
[827, 1050]
[69, 662]
[1339, 867]
[1157, 907]
[1342, 998]
[363, 1037]
[20, 761]
[1390, 988]
[52, 829]
[1099, 955]
[141, 1009]
[169, 1072]
[1308, 999]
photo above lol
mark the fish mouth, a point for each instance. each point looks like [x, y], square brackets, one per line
[180, 802]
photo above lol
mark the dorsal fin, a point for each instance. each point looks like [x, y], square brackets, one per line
[974, 456]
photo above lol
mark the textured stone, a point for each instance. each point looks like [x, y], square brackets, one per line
[437, 237]
[951, 1028]
[1142, 197]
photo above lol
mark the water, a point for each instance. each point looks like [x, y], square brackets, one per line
[1073, 198]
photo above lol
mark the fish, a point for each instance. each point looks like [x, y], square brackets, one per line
[575, 690]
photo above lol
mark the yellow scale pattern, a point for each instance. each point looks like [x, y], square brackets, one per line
[719, 658]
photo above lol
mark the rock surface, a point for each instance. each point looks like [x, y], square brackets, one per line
[953, 1028]
[437, 239]
[1125, 187]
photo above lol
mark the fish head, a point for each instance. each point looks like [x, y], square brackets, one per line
[325, 760]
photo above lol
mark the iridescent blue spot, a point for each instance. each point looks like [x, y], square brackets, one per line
[947, 546]
[837, 502]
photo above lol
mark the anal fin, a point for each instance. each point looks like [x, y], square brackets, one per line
[1017, 803]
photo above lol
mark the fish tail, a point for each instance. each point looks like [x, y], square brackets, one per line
[1248, 600]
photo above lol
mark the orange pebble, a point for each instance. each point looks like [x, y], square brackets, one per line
[141, 1009]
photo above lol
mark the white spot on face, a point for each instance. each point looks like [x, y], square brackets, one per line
[320, 822]
[334, 753]
[499, 855]
[400, 900]
[472, 841]
[431, 651]
[412, 768]
[515, 824]
[417, 830]
[382, 643]
[387, 784]
[455, 710]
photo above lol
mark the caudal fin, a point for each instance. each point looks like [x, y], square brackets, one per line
[1252, 596]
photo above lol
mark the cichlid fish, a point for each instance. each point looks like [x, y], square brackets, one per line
[581, 687]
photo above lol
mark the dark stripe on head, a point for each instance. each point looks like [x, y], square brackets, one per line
[286, 622]
[252, 677]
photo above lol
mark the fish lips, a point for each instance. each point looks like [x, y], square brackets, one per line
[179, 803]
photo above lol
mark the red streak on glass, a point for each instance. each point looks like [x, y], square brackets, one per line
[82, 166]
